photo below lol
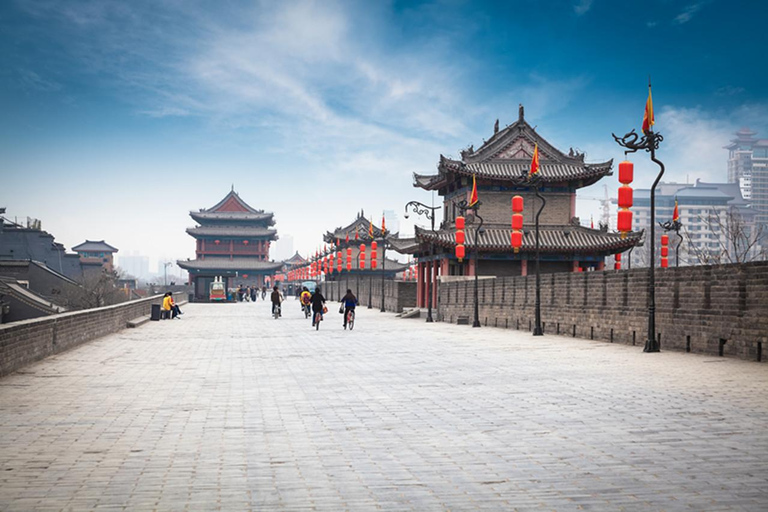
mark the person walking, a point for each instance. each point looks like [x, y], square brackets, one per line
[277, 299]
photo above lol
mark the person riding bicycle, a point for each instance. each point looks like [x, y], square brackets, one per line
[349, 301]
[318, 303]
[277, 298]
[305, 299]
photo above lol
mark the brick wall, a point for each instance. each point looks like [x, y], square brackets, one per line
[25, 342]
[696, 307]
[397, 294]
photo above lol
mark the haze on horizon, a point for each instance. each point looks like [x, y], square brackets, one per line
[121, 117]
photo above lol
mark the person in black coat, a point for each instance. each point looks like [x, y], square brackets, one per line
[318, 303]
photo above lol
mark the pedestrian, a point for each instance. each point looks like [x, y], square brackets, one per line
[253, 294]
[240, 292]
[276, 298]
[174, 308]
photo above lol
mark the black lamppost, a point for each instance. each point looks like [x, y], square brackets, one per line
[674, 225]
[383, 263]
[463, 207]
[648, 142]
[537, 330]
[429, 212]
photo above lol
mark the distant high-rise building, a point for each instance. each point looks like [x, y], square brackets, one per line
[393, 221]
[748, 166]
[134, 264]
[282, 249]
[704, 209]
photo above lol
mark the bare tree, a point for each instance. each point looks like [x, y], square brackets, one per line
[736, 240]
[97, 289]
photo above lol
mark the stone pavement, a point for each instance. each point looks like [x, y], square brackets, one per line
[228, 409]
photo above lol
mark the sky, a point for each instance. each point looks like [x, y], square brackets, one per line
[118, 118]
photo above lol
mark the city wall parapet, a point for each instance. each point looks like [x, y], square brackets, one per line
[27, 341]
[706, 309]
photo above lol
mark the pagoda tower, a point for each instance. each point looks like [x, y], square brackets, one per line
[232, 241]
[498, 166]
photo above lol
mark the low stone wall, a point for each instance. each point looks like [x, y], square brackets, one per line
[27, 341]
[397, 294]
[715, 310]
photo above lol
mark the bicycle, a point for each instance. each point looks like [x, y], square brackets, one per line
[318, 317]
[276, 311]
[305, 309]
[350, 319]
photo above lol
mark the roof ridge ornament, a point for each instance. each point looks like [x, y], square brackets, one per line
[520, 112]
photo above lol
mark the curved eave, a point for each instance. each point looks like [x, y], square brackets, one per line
[551, 173]
[225, 264]
[571, 239]
[198, 233]
[207, 216]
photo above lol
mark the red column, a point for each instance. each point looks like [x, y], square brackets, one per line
[601, 265]
[434, 283]
[419, 284]
[523, 267]
[231, 249]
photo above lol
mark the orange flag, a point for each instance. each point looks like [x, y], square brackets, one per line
[370, 230]
[591, 222]
[473, 196]
[347, 237]
[357, 232]
[675, 213]
[383, 223]
[534, 161]
[648, 120]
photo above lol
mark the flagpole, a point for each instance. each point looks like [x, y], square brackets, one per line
[649, 142]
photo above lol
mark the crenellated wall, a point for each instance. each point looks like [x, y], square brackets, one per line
[706, 309]
[27, 341]
[397, 294]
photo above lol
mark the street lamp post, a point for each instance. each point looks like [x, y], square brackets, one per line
[648, 142]
[463, 206]
[429, 212]
[537, 329]
[383, 263]
[674, 225]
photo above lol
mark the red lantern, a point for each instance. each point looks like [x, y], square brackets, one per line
[517, 240]
[517, 223]
[362, 256]
[460, 251]
[217, 242]
[517, 204]
[618, 256]
[349, 259]
[625, 222]
[664, 251]
[338, 261]
[625, 197]
[626, 172]
[245, 242]
[374, 245]
[664, 239]
[626, 175]
[245, 276]
[664, 263]
[374, 261]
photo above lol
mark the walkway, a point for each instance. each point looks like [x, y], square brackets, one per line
[228, 409]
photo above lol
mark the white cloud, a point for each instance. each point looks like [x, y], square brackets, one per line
[582, 6]
[689, 12]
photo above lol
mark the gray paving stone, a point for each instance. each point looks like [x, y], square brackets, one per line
[229, 409]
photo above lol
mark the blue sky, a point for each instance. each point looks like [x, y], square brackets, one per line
[120, 117]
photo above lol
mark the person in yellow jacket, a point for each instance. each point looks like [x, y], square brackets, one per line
[170, 308]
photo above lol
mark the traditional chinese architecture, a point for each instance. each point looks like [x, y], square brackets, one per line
[232, 241]
[362, 232]
[499, 167]
[96, 254]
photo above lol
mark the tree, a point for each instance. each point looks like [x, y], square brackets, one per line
[735, 239]
[97, 288]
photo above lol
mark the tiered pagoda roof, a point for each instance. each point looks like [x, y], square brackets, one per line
[233, 217]
[361, 225]
[295, 261]
[506, 157]
[94, 246]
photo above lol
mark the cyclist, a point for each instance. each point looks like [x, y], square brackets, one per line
[277, 298]
[350, 301]
[305, 300]
[318, 303]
